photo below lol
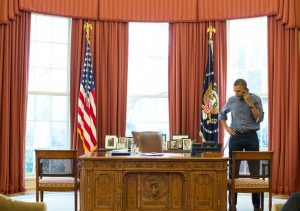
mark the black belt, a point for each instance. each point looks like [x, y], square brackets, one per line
[245, 133]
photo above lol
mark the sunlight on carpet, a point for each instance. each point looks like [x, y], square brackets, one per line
[244, 202]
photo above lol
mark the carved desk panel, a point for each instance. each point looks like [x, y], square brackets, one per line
[171, 182]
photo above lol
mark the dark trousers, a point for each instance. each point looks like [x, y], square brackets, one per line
[248, 143]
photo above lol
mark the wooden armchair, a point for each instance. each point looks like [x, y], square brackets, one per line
[257, 180]
[56, 170]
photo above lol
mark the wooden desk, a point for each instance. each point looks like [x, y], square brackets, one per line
[172, 182]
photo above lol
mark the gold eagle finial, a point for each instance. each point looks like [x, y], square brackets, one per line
[211, 30]
[87, 27]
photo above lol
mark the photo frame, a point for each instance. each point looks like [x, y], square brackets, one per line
[179, 136]
[173, 144]
[120, 145]
[122, 140]
[128, 142]
[164, 141]
[111, 142]
[186, 143]
[179, 143]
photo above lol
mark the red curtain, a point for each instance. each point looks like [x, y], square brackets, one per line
[231, 9]
[69, 8]
[187, 60]
[148, 10]
[284, 106]
[14, 52]
[109, 46]
[8, 10]
[159, 10]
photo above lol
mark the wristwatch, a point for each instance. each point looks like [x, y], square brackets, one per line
[251, 106]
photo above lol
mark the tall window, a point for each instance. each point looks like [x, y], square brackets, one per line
[247, 59]
[147, 101]
[48, 97]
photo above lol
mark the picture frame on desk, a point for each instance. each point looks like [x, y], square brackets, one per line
[179, 143]
[173, 144]
[111, 142]
[164, 141]
[179, 136]
[120, 145]
[128, 142]
[122, 140]
[186, 143]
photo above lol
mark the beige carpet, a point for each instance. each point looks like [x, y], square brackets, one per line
[64, 201]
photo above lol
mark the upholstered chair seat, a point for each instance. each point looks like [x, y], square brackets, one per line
[250, 183]
[57, 182]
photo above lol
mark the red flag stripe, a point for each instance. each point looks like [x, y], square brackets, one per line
[87, 124]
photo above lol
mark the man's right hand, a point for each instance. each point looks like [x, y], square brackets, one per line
[230, 131]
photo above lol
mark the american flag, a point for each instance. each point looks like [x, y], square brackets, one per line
[86, 126]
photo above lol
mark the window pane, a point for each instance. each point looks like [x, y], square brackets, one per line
[148, 59]
[59, 79]
[59, 55]
[147, 102]
[247, 53]
[40, 54]
[43, 108]
[59, 136]
[59, 108]
[48, 98]
[39, 79]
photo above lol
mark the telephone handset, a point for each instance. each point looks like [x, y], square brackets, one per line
[246, 90]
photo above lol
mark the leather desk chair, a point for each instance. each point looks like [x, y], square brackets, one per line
[148, 141]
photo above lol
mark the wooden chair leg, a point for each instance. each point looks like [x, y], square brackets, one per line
[42, 196]
[37, 195]
[270, 201]
[75, 195]
[232, 201]
[262, 200]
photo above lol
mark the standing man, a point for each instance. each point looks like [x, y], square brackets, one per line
[246, 115]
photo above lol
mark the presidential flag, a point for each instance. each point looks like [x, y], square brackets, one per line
[86, 126]
[210, 101]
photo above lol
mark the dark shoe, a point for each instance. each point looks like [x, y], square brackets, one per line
[234, 209]
[257, 208]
